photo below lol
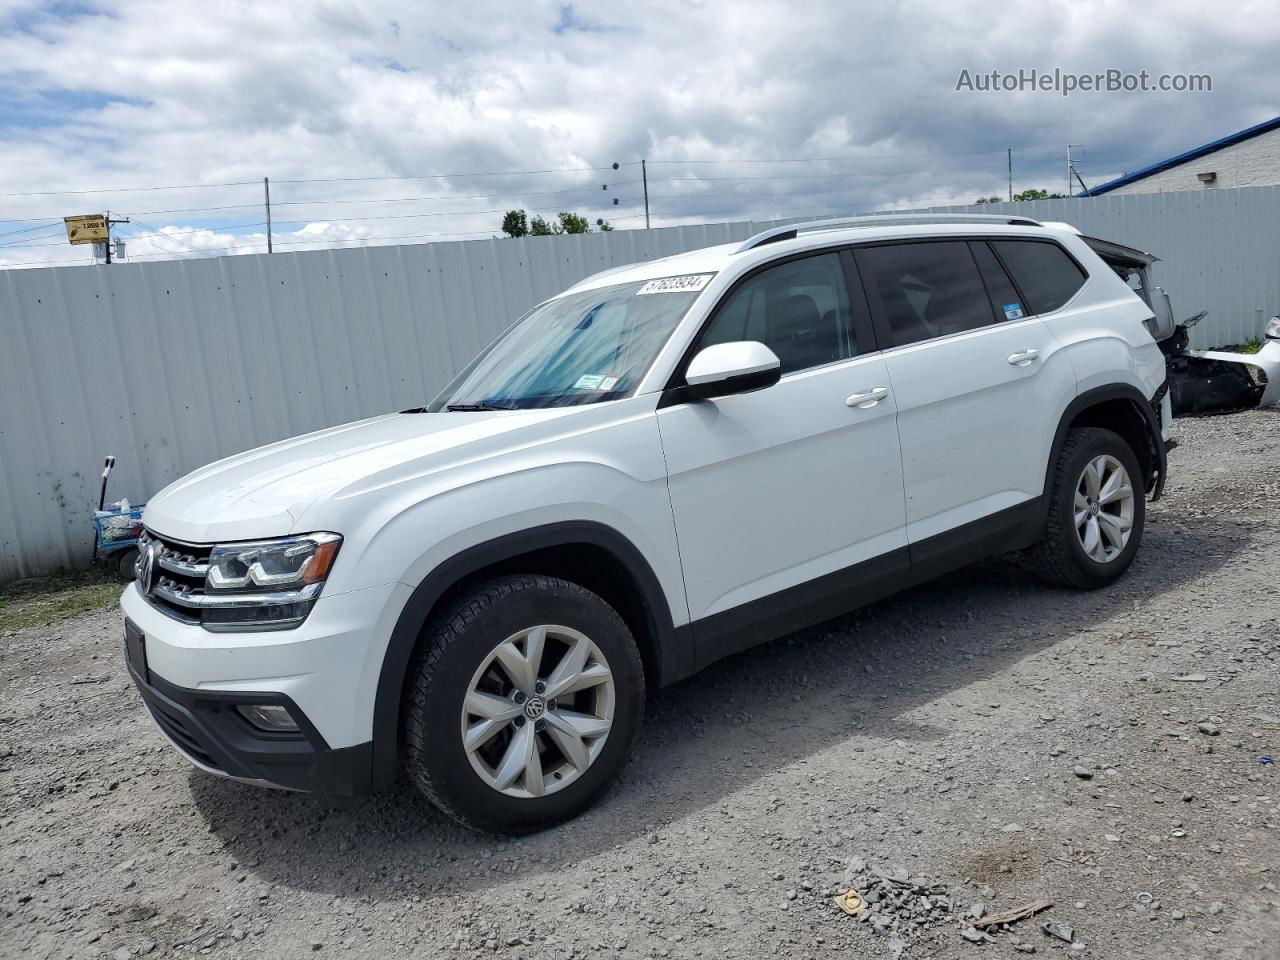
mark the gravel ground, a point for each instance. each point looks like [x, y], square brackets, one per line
[982, 734]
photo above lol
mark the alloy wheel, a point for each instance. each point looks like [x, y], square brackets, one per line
[538, 711]
[1103, 508]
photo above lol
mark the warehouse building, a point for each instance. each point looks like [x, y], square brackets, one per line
[1247, 158]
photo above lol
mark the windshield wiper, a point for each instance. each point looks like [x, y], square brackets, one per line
[472, 407]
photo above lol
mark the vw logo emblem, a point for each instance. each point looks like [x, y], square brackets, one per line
[147, 566]
[534, 707]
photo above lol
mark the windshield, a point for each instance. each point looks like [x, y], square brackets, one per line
[580, 348]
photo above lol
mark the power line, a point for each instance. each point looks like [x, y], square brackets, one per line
[69, 193]
[25, 241]
[865, 158]
[165, 236]
[859, 159]
[11, 233]
[583, 190]
[329, 240]
[282, 203]
[450, 176]
[445, 196]
[252, 183]
[218, 229]
[49, 263]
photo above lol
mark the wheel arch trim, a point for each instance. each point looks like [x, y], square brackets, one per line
[1100, 395]
[673, 658]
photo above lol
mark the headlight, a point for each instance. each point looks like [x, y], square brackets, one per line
[258, 585]
[271, 565]
[1273, 328]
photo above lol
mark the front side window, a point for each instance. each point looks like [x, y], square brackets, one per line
[924, 290]
[580, 348]
[1044, 273]
[798, 309]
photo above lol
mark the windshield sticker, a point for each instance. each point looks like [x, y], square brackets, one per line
[607, 384]
[686, 284]
[1013, 311]
[588, 381]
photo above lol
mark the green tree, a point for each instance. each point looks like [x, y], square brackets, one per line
[987, 200]
[573, 223]
[1034, 194]
[515, 224]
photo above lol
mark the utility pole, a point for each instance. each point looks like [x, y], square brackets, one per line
[644, 176]
[111, 223]
[1011, 174]
[266, 189]
[1071, 170]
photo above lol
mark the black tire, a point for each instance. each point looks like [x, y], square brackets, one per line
[1059, 557]
[456, 643]
[124, 566]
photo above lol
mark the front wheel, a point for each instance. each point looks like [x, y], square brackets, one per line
[1096, 511]
[523, 703]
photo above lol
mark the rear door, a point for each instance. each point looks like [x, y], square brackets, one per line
[979, 382]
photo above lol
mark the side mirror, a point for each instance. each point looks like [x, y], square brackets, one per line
[728, 368]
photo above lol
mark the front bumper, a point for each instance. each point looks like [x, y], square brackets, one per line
[324, 673]
[207, 729]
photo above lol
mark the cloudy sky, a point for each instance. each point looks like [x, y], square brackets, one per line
[384, 121]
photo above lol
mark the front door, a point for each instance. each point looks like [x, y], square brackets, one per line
[780, 494]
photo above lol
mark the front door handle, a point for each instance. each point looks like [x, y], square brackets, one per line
[1023, 358]
[868, 398]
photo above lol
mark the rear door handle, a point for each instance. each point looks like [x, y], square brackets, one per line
[1023, 358]
[868, 398]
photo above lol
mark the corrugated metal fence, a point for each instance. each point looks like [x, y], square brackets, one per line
[171, 365]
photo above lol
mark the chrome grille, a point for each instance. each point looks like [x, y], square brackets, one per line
[177, 587]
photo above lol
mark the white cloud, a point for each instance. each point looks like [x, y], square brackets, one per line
[158, 92]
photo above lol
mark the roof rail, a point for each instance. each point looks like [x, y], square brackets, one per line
[791, 231]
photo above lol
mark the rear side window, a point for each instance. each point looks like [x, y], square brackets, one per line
[1004, 298]
[1043, 271]
[923, 290]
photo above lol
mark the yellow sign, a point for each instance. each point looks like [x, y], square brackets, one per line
[90, 228]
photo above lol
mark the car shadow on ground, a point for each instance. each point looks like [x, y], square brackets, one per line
[711, 735]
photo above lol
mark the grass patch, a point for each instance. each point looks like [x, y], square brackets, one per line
[1253, 346]
[41, 601]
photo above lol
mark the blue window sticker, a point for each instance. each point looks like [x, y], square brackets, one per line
[1013, 311]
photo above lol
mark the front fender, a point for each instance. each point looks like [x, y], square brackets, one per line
[420, 603]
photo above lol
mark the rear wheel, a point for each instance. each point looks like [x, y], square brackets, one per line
[523, 704]
[1096, 511]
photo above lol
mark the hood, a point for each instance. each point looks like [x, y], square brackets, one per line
[264, 492]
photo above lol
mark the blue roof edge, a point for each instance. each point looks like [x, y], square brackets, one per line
[1239, 136]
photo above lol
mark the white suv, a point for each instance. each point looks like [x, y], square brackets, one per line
[667, 463]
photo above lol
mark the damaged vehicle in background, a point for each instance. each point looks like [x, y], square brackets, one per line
[1200, 381]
